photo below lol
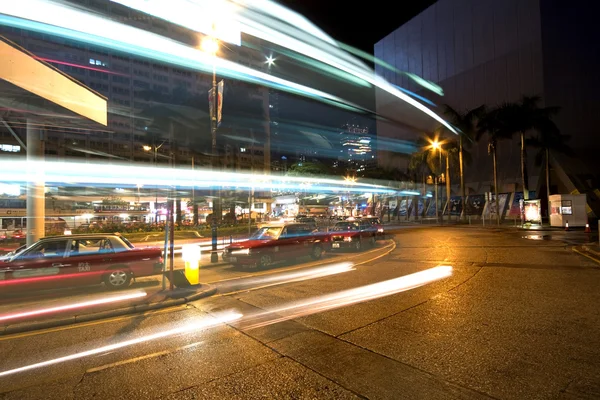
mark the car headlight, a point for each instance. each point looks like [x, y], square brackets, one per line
[380, 230]
[240, 252]
[348, 239]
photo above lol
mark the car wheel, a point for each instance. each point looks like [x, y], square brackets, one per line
[317, 252]
[117, 278]
[358, 245]
[372, 241]
[265, 260]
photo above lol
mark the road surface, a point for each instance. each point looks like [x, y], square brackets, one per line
[518, 318]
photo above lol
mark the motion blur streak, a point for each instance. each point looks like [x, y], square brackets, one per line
[261, 19]
[289, 277]
[67, 173]
[191, 327]
[56, 19]
[264, 20]
[348, 297]
[72, 306]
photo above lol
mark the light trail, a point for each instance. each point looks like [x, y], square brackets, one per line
[346, 298]
[287, 277]
[114, 175]
[294, 310]
[191, 327]
[261, 19]
[73, 306]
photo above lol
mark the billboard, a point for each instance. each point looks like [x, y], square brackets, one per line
[21, 69]
[532, 211]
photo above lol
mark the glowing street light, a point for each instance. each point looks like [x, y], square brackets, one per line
[209, 45]
[270, 61]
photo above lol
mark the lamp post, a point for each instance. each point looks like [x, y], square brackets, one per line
[437, 146]
[211, 46]
[155, 150]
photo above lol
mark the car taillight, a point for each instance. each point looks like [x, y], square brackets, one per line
[161, 260]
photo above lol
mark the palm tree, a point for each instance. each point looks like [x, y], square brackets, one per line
[492, 125]
[425, 162]
[466, 124]
[522, 117]
[548, 140]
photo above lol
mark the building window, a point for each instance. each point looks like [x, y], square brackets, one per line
[141, 84]
[94, 61]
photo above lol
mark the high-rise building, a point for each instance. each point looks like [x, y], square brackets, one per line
[136, 88]
[357, 152]
[490, 52]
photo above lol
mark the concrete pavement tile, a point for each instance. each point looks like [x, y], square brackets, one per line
[59, 390]
[278, 379]
[466, 335]
[222, 352]
[366, 373]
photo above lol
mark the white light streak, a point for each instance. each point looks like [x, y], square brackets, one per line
[83, 304]
[348, 297]
[203, 324]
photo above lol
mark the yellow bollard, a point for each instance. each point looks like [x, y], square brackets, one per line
[191, 256]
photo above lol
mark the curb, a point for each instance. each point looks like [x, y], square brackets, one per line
[587, 252]
[208, 290]
[588, 249]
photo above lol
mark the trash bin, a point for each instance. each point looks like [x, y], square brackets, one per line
[191, 257]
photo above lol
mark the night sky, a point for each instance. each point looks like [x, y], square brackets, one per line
[359, 24]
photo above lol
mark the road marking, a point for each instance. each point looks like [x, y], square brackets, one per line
[392, 245]
[91, 323]
[140, 358]
[586, 255]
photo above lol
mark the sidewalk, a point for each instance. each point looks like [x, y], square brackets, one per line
[44, 310]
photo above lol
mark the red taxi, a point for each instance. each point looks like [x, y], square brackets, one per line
[376, 225]
[351, 234]
[73, 260]
[275, 243]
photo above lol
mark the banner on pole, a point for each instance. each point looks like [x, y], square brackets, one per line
[216, 108]
[219, 102]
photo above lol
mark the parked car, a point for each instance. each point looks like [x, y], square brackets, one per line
[275, 243]
[12, 253]
[308, 221]
[376, 224]
[353, 235]
[74, 260]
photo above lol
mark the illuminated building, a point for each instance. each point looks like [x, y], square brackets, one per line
[490, 52]
[135, 87]
[357, 148]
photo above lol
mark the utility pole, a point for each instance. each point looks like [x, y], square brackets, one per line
[36, 198]
[448, 182]
[216, 209]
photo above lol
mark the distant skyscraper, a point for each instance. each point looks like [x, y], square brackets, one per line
[357, 151]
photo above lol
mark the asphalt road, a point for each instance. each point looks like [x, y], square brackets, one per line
[517, 319]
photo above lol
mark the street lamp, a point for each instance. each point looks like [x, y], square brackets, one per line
[437, 146]
[270, 61]
[149, 148]
[210, 45]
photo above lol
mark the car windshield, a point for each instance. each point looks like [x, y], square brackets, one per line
[267, 232]
[373, 221]
[346, 226]
[127, 242]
